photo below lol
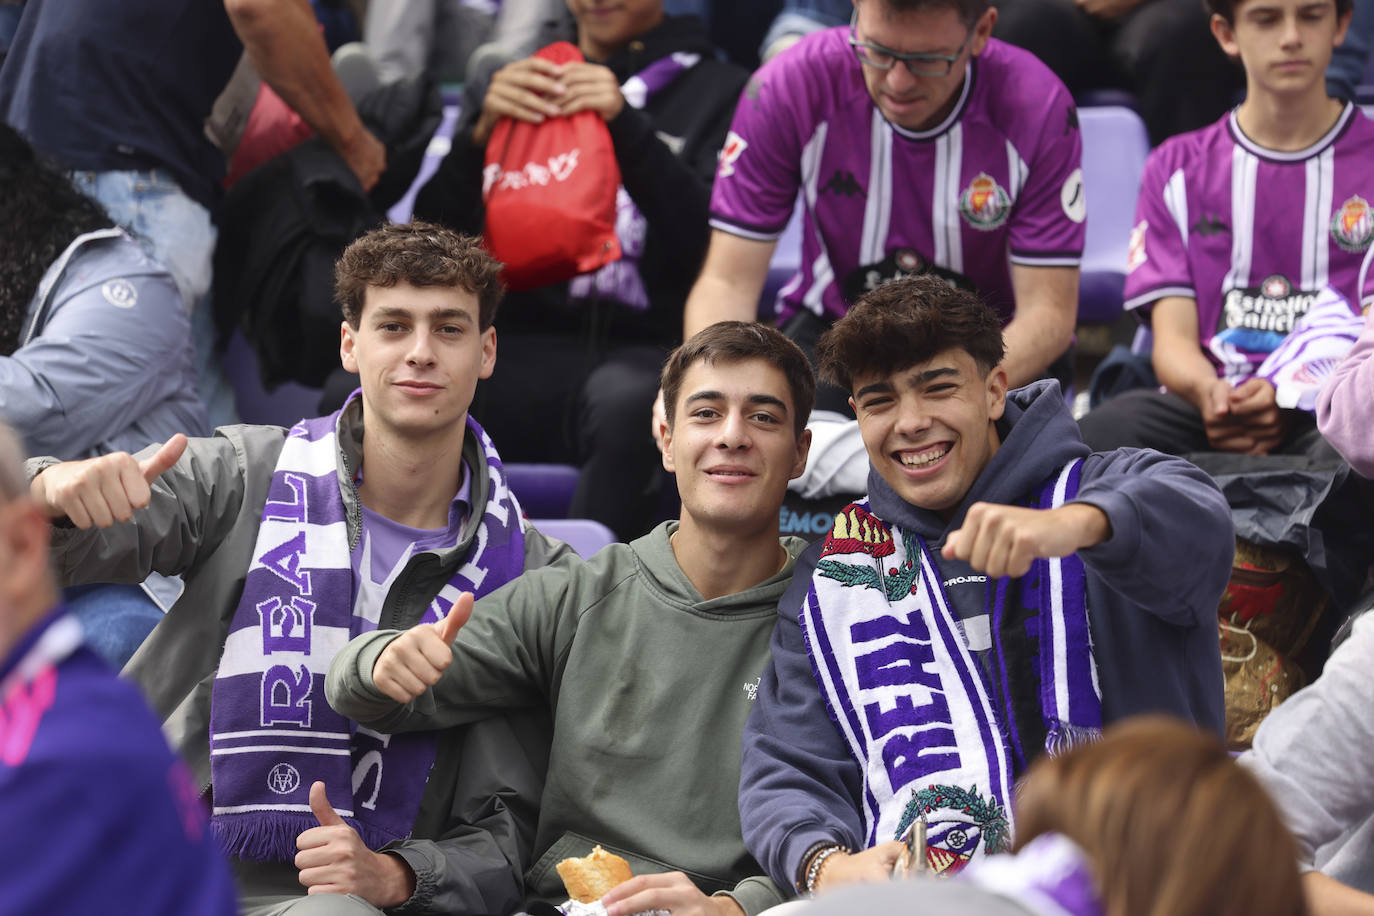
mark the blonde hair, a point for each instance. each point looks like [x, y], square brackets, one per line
[1172, 824]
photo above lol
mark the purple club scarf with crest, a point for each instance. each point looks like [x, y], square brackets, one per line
[271, 732]
[911, 700]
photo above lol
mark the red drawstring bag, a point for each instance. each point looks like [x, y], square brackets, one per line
[550, 192]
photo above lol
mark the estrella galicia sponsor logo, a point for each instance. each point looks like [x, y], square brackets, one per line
[120, 293]
[842, 183]
[985, 204]
[734, 147]
[1352, 226]
[283, 779]
[1257, 318]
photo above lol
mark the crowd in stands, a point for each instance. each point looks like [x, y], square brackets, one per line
[1004, 678]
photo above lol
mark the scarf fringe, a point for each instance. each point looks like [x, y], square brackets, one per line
[271, 836]
[1065, 736]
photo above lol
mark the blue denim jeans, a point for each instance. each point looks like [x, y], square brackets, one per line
[116, 618]
[178, 232]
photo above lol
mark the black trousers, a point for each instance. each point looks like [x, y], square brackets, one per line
[551, 399]
[1149, 418]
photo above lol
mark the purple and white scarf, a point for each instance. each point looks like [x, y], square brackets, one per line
[1051, 876]
[1314, 348]
[912, 701]
[620, 281]
[271, 732]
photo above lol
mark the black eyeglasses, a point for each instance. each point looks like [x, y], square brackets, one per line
[885, 58]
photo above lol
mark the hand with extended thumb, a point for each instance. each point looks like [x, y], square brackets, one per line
[100, 492]
[414, 661]
[319, 804]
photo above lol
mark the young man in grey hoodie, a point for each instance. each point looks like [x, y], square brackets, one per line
[648, 655]
[1001, 592]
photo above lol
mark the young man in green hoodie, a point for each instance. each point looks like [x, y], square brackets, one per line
[648, 655]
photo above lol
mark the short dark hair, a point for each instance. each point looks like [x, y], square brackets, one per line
[732, 342]
[421, 254]
[1226, 9]
[969, 11]
[905, 322]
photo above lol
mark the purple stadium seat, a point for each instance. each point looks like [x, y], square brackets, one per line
[544, 490]
[1114, 149]
[785, 263]
[283, 406]
[581, 534]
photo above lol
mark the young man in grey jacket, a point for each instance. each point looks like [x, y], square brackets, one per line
[289, 543]
[648, 655]
[1001, 593]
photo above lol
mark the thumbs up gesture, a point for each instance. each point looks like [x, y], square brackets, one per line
[334, 860]
[102, 491]
[414, 661]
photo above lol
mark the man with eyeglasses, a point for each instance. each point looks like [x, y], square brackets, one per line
[920, 145]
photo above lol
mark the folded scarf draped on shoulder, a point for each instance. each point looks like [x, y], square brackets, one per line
[272, 732]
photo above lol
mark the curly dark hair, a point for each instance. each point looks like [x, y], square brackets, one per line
[40, 213]
[906, 322]
[421, 254]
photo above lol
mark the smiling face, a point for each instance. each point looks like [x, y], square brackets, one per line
[928, 428]
[419, 353]
[918, 102]
[606, 26]
[733, 444]
[1285, 45]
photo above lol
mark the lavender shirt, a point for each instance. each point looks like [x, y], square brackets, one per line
[386, 546]
[1253, 235]
[996, 183]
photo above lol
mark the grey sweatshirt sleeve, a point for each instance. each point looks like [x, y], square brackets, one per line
[92, 371]
[1315, 752]
[506, 657]
[799, 785]
[1172, 538]
[193, 505]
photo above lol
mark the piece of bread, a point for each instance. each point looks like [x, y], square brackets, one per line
[590, 877]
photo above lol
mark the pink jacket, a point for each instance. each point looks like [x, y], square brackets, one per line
[1345, 406]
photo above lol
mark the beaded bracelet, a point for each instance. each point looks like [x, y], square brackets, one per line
[813, 871]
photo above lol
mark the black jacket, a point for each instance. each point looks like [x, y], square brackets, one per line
[672, 190]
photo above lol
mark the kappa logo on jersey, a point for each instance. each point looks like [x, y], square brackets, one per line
[1071, 197]
[1135, 252]
[1352, 226]
[842, 183]
[985, 203]
[734, 147]
[1209, 224]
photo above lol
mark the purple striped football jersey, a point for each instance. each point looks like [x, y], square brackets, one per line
[1253, 235]
[997, 182]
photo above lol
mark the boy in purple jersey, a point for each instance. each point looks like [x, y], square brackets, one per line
[98, 812]
[920, 145]
[1240, 228]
